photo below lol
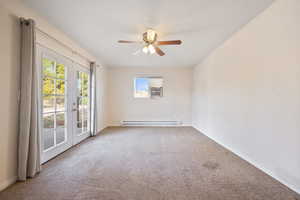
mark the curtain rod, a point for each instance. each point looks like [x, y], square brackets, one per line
[63, 44]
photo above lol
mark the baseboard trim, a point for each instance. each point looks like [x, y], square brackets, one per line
[6, 183]
[255, 164]
[120, 125]
[158, 126]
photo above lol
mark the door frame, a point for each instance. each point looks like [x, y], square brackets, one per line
[78, 138]
[70, 96]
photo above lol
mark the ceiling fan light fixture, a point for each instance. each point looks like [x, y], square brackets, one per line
[150, 43]
[151, 49]
[151, 35]
[145, 50]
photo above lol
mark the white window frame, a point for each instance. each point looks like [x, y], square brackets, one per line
[149, 92]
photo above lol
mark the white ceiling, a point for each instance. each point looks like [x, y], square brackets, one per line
[97, 25]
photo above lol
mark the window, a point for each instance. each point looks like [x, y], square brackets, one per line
[148, 87]
[54, 109]
[82, 102]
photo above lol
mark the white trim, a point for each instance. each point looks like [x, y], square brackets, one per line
[74, 52]
[77, 138]
[149, 91]
[119, 124]
[6, 183]
[57, 149]
[295, 188]
[53, 51]
[150, 123]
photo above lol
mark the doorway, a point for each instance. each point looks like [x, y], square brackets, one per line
[64, 112]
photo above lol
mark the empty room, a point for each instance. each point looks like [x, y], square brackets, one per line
[150, 100]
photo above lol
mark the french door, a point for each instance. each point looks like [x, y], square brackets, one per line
[64, 103]
[81, 104]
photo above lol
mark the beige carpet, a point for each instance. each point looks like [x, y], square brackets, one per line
[149, 164]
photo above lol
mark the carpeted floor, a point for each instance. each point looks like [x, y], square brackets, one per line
[149, 164]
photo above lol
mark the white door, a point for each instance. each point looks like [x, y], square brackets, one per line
[64, 96]
[81, 103]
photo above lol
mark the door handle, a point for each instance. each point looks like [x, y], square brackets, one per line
[74, 105]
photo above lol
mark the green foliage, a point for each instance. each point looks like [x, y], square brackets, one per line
[48, 67]
[54, 84]
[83, 79]
[60, 87]
[60, 71]
[48, 86]
[52, 71]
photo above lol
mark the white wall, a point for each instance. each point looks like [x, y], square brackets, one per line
[246, 94]
[9, 75]
[102, 108]
[175, 105]
[10, 11]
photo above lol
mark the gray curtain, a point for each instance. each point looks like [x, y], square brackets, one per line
[29, 141]
[93, 99]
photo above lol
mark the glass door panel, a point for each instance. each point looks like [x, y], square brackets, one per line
[54, 112]
[48, 131]
[82, 115]
[53, 108]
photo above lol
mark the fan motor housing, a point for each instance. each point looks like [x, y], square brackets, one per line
[145, 38]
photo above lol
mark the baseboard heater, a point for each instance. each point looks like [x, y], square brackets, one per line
[151, 123]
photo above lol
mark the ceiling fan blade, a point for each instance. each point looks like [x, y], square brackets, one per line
[170, 42]
[158, 50]
[126, 41]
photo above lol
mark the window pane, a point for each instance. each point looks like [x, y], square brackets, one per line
[48, 131]
[79, 103]
[60, 120]
[48, 104]
[60, 127]
[85, 102]
[60, 103]
[85, 114]
[85, 84]
[79, 125]
[48, 86]
[48, 67]
[48, 138]
[79, 83]
[85, 76]
[85, 126]
[82, 101]
[60, 71]
[85, 117]
[60, 135]
[79, 115]
[48, 120]
[79, 128]
[60, 87]
[141, 87]
[82, 84]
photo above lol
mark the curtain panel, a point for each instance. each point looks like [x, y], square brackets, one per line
[29, 141]
[93, 99]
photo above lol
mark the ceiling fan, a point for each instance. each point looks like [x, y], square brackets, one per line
[151, 44]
